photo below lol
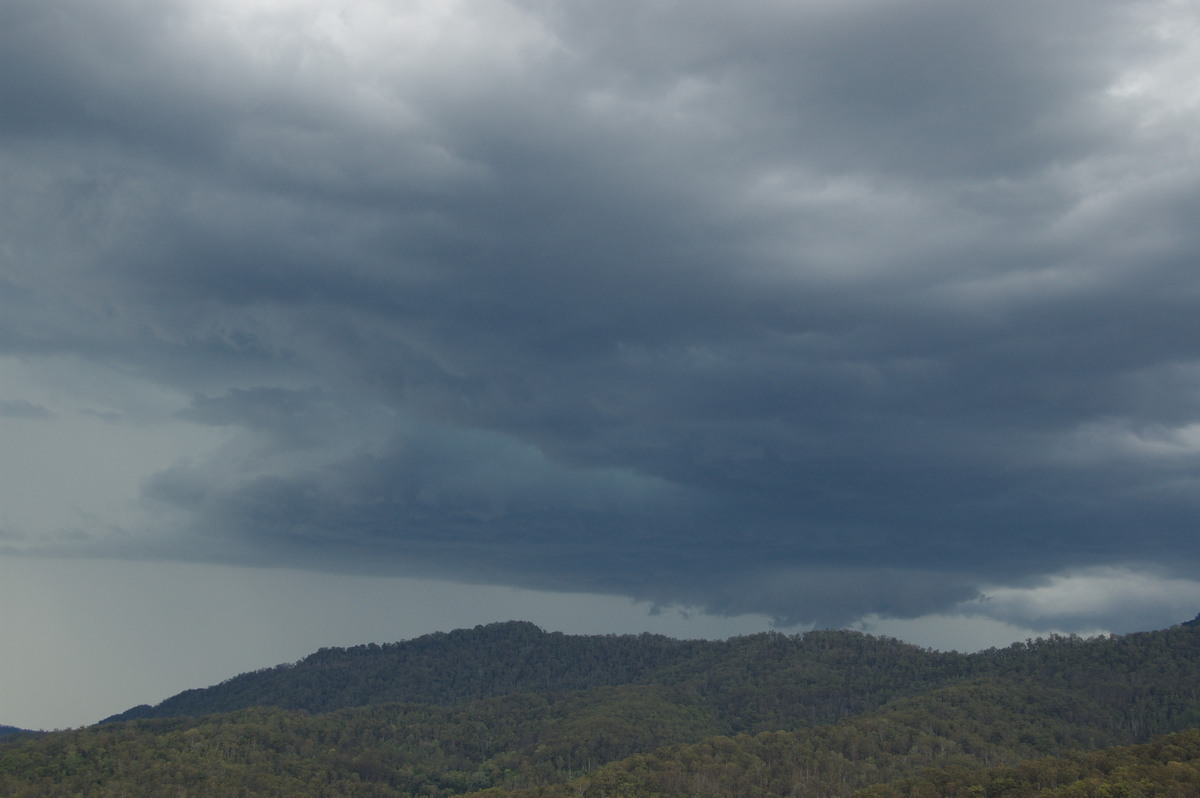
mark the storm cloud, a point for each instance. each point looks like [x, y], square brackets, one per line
[817, 310]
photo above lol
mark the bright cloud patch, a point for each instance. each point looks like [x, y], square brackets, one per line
[1117, 599]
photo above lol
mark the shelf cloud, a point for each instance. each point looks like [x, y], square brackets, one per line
[818, 310]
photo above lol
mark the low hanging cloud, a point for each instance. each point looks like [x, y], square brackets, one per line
[819, 310]
[1124, 598]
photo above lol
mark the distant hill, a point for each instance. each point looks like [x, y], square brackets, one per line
[6, 731]
[754, 683]
[815, 677]
[440, 669]
[511, 710]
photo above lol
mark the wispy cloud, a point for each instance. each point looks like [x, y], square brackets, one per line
[19, 408]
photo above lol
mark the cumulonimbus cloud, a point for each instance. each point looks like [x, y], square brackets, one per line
[808, 309]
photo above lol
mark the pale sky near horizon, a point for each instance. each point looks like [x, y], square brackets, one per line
[877, 314]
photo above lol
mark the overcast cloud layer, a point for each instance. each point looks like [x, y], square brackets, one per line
[821, 310]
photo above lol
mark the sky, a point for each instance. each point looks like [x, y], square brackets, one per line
[324, 322]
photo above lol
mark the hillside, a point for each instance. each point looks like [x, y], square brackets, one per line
[753, 683]
[440, 669]
[1168, 767]
[762, 682]
[508, 709]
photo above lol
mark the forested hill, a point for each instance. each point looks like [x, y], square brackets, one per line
[6, 731]
[551, 706]
[510, 710]
[754, 683]
[828, 674]
[441, 669]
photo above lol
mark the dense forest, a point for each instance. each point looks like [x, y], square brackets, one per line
[6, 731]
[511, 710]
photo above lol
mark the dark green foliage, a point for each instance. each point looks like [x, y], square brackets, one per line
[511, 710]
[8, 731]
[753, 683]
[395, 749]
[442, 669]
[968, 725]
[1167, 767]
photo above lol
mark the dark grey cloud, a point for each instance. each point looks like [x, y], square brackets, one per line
[819, 310]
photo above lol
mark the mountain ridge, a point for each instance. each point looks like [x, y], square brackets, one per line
[427, 669]
[826, 713]
[444, 669]
[833, 672]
